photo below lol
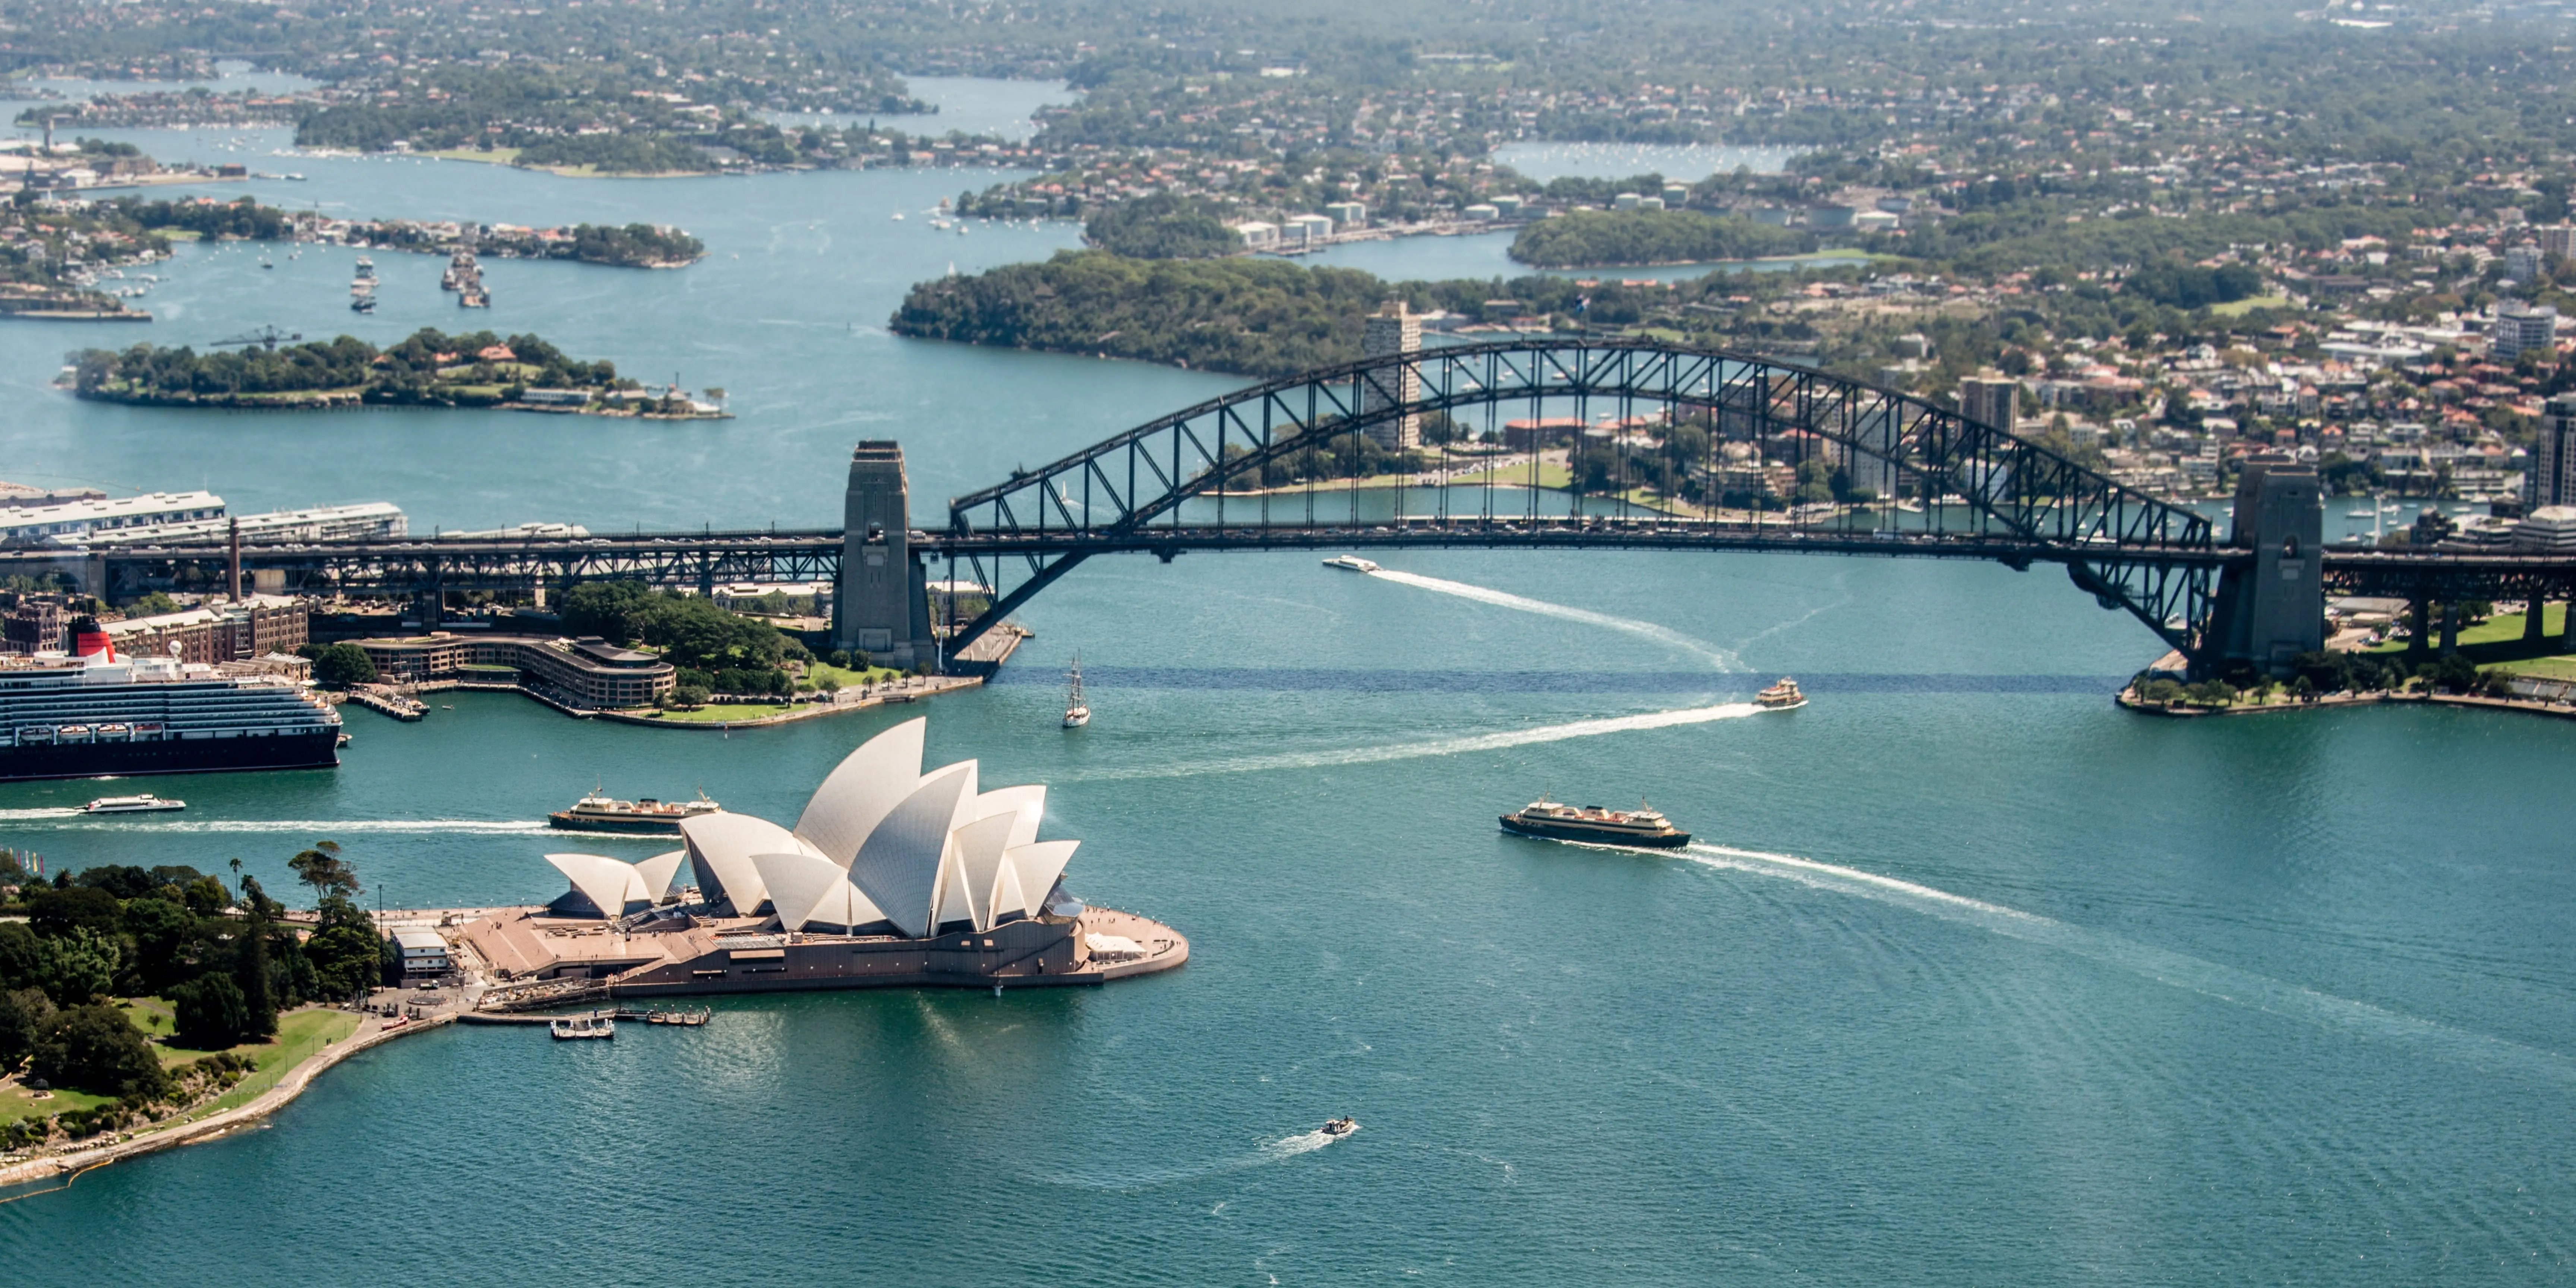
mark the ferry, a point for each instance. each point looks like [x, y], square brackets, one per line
[1783, 696]
[1077, 713]
[1350, 563]
[1551, 821]
[599, 813]
[144, 804]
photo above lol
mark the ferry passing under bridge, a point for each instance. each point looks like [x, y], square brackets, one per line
[1681, 449]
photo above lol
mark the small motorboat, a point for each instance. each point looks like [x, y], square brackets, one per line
[583, 1026]
[1350, 563]
[144, 804]
[1341, 1126]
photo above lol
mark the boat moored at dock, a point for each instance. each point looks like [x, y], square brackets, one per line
[1551, 821]
[98, 715]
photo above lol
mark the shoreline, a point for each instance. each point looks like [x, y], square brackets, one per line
[197, 1131]
[2128, 699]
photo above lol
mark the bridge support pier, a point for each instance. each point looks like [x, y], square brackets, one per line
[2271, 612]
[882, 605]
[2450, 627]
[2419, 626]
[2534, 610]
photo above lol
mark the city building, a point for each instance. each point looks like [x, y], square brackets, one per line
[1990, 400]
[1348, 214]
[1315, 229]
[2517, 327]
[34, 626]
[2557, 239]
[2549, 530]
[1390, 331]
[372, 520]
[2551, 479]
[585, 672]
[1257, 235]
[75, 519]
[423, 952]
[2522, 262]
[216, 633]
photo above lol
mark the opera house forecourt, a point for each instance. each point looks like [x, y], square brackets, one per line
[891, 877]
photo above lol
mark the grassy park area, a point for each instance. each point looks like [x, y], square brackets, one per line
[300, 1034]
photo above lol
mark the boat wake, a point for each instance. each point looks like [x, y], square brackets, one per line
[1434, 747]
[1276, 1151]
[72, 820]
[1722, 659]
[2229, 984]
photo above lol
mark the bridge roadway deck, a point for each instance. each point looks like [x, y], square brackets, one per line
[810, 555]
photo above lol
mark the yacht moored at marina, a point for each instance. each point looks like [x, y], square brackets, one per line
[144, 804]
[1350, 563]
[1551, 821]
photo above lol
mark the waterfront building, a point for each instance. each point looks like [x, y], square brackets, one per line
[1392, 330]
[1990, 400]
[1314, 230]
[891, 877]
[1348, 214]
[2551, 479]
[423, 952]
[1482, 212]
[1505, 207]
[2517, 327]
[1257, 235]
[70, 521]
[368, 521]
[584, 672]
[2549, 530]
[216, 633]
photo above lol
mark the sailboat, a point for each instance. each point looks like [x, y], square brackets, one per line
[1076, 714]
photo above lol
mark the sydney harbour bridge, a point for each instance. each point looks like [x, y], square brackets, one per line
[1280, 466]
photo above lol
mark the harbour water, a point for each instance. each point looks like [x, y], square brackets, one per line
[1971, 978]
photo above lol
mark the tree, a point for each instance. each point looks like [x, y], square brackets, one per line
[346, 952]
[79, 965]
[340, 666]
[323, 869]
[689, 695]
[211, 1011]
[22, 957]
[25, 1014]
[92, 1048]
[59, 912]
[251, 971]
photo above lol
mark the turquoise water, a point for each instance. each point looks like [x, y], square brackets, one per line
[1972, 979]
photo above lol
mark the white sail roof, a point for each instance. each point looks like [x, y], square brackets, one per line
[1037, 867]
[612, 885]
[807, 890]
[898, 866]
[658, 872]
[721, 846]
[862, 790]
[976, 853]
[1027, 803]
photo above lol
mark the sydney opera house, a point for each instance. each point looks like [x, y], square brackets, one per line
[891, 877]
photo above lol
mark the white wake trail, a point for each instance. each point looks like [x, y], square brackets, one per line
[75, 821]
[1722, 659]
[1435, 747]
[2229, 984]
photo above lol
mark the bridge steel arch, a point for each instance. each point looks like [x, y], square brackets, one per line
[1210, 476]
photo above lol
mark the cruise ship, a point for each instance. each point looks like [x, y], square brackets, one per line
[97, 715]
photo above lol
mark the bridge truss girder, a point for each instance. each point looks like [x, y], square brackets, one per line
[1206, 465]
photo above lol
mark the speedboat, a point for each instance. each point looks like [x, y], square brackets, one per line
[1350, 563]
[144, 804]
[1341, 1126]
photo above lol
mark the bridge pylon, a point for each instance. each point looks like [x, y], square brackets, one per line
[2270, 611]
[883, 603]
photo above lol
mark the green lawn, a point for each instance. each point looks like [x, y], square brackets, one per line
[299, 1035]
[1551, 474]
[2497, 643]
[850, 679]
[722, 712]
[497, 156]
